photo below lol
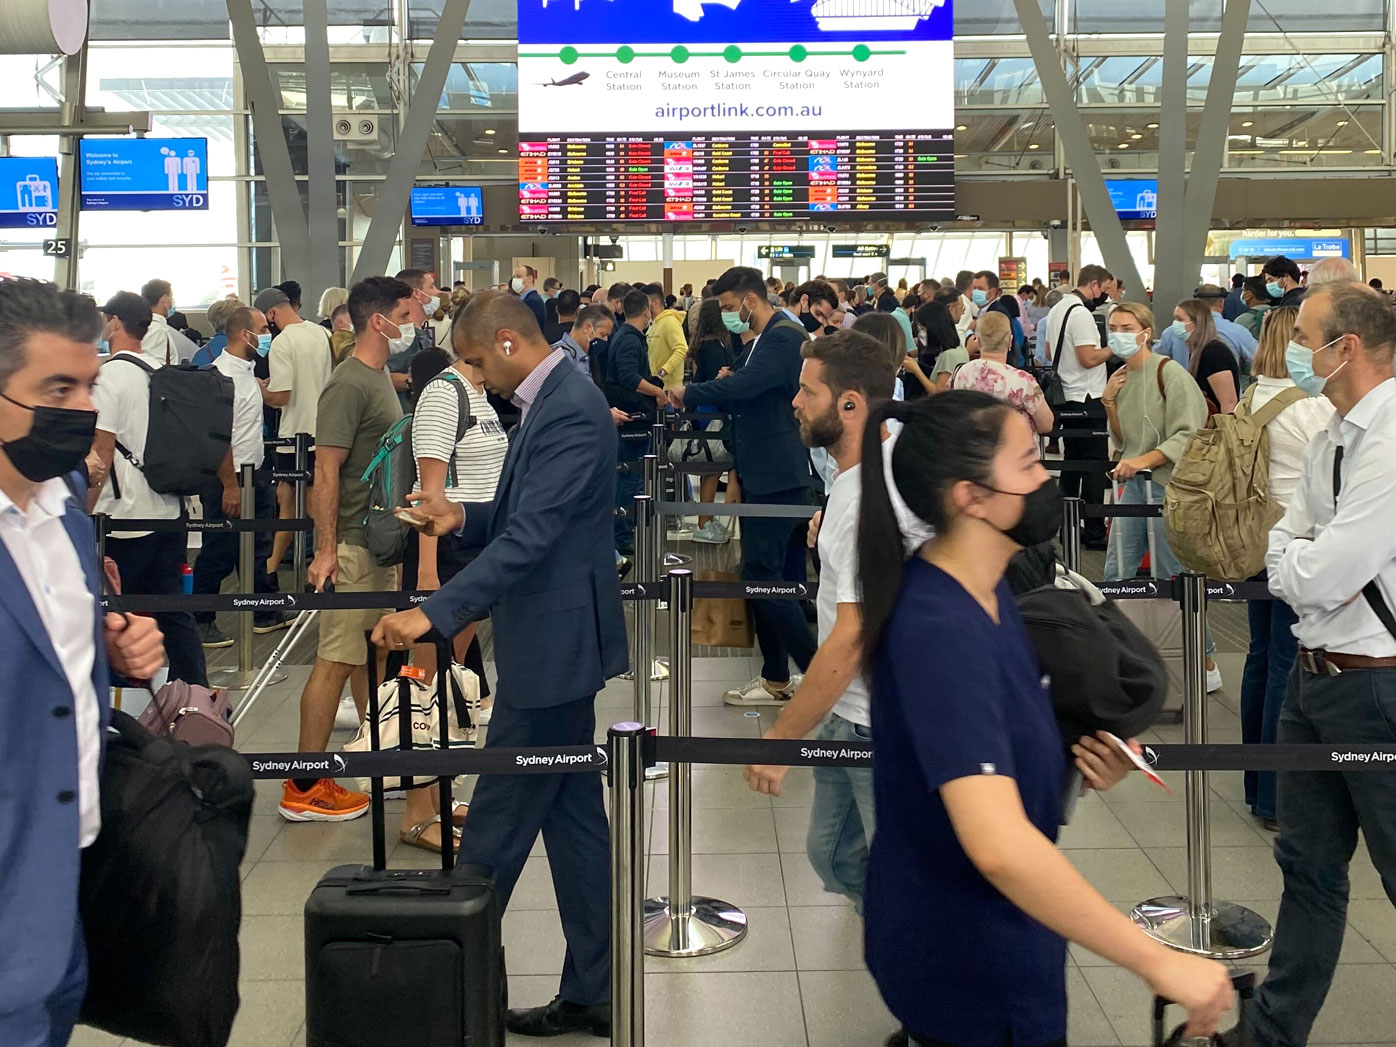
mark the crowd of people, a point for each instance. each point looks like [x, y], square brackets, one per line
[522, 402]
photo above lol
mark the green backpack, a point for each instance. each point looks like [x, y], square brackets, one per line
[393, 472]
[1217, 508]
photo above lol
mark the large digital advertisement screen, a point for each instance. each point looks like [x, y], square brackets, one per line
[731, 110]
[144, 174]
[28, 192]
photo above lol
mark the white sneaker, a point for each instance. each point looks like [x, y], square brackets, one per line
[346, 717]
[1214, 680]
[712, 533]
[757, 693]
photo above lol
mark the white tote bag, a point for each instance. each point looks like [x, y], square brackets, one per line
[426, 730]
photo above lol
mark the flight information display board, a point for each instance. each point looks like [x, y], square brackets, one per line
[144, 174]
[735, 110]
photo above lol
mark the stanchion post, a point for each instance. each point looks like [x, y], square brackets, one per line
[1197, 924]
[1071, 533]
[644, 612]
[247, 554]
[627, 767]
[298, 546]
[682, 924]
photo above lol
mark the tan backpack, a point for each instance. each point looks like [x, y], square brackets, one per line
[1217, 508]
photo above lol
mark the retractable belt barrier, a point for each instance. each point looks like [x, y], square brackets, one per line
[716, 751]
[236, 526]
[757, 509]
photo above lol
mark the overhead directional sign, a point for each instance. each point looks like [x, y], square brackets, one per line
[28, 192]
[777, 252]
[862, 251]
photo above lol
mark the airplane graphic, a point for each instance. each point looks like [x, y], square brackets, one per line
[568, 81]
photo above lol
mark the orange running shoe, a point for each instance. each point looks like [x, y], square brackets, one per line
[325, 801]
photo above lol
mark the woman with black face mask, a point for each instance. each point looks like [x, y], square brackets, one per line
[969, 903]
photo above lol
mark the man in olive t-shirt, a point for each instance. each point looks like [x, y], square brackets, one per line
[357, 407]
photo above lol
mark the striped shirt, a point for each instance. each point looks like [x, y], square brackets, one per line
[478, 459]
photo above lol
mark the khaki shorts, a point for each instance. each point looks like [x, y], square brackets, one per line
[342, 632]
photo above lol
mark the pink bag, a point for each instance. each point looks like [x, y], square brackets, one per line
[191, 714]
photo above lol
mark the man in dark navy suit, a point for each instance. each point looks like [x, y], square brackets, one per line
[55, 649]
[547, 580]
[773, 467]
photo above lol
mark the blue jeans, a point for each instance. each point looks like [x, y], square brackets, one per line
[1320, 813]
[1268, 664]
[628, 485]
[841, 818]
[1129, 541]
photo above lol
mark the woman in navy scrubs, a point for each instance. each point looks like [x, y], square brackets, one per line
[969, 902]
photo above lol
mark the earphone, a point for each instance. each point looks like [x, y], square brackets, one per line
[849, 405]
[508, 348]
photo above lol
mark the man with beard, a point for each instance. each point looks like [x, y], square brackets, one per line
[843, 376]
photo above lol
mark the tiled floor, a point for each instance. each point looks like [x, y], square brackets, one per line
[798, 980]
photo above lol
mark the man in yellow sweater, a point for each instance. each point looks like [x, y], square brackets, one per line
[667, 340]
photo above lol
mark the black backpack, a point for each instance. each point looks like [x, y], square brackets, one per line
[190, 427]
[160, 898]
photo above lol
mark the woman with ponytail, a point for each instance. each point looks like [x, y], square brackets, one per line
[968, 901]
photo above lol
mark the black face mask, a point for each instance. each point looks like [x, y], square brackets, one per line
[1042, 514]
[57, 442]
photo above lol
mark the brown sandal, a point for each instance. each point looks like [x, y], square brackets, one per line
[413, 836]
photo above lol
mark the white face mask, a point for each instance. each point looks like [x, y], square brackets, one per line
[402, 342]
[517, 285]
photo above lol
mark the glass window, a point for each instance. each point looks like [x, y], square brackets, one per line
[997, 81]
[31, 81]
[160, 77]
[1205, 16]
[360, 158]
[480, 147]
[484, 20]
[478, 85]
[1299, 137]
[1002, 141]
[208, 19]
[360, 86]
[1293, 78]
[995, 17]
[1136, 80]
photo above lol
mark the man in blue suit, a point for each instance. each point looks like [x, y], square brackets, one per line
[773, 466]
[547, 580]
[55, 648]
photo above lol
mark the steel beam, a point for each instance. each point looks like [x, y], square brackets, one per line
[412, 142]
[319, 130]
[283, 193]
[1076, 145]
[1171, 282]
[89, 122]
[65, 268]
[1210, 151]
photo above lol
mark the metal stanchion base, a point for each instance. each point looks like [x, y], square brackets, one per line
[661, 669]
[677, 559]
[708, 927]
[657, 771]
[1234, 932]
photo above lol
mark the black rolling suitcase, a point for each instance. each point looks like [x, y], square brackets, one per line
[1244, 984]
[404, 956]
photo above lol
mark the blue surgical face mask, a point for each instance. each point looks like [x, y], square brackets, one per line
[264, 343]
[1180, 328]
[1273, 289]
[979, 297]
[734, 322]
[1300, 363]
[104, 347]
[1124, 344]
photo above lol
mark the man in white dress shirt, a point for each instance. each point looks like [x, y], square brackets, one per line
[55, 649]
[1333, 559]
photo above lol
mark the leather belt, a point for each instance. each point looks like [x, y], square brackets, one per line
[1333, 663]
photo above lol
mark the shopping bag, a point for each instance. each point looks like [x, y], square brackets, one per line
[721, 622]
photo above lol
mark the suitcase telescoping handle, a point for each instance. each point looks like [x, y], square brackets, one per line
[1244, 984]
[405, 738]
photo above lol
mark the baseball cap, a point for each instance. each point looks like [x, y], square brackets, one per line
[270, 299]
[130, 308]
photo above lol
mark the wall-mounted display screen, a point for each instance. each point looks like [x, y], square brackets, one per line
[448, 205]
[722, 110]
[28, 192]
[144, 174]
[1135, 199]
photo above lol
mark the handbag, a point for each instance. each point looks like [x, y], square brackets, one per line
[721, 621]
[160, 896]
[699, 449]
[191, 714]
[409, 698]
